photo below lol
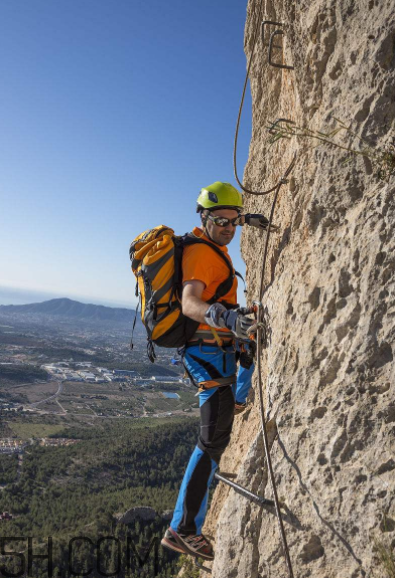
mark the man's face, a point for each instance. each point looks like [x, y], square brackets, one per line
[222, 235]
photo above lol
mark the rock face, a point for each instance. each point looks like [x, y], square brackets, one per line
[139, 512]
[167, 515]
[143, 513]
[328, 371]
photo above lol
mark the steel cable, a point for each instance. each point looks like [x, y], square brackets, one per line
[260, 385]
[276, 188]
[257, 27]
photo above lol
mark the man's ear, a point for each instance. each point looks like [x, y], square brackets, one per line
[203, 216]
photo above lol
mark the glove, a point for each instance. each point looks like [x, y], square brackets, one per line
[221, 318]
[257, 220]
[213, 315]
[238, 323]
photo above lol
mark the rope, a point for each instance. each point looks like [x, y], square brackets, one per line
[260, 385]
[281, 182]
[276, 188]
[257, 27]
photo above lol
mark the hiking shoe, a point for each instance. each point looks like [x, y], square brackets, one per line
[197, 546]
[240, 407]
[168, 541]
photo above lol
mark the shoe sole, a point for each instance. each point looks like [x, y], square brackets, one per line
[171, 546]
[186, 550]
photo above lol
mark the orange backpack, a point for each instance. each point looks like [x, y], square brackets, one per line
[156, 257]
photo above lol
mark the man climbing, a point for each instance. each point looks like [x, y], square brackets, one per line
[210, 358]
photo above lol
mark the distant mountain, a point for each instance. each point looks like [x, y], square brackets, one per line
[73, 310]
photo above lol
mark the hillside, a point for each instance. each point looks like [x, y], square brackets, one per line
[328, 371]
[82, 487]
[71, 309]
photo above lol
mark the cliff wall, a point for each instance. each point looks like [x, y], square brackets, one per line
[329, 300]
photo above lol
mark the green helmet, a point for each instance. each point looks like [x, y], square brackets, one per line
[219, 196]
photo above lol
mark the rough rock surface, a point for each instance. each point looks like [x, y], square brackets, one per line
[143, 513]
[139, 512]
[167, 515]
[328, 368]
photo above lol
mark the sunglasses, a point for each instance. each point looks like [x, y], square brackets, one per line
[224, 222]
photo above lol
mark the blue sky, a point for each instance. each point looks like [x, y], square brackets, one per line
[113, 115]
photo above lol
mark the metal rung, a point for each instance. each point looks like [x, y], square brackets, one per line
[271, 46]
[208, 570]
[279, 24]
[246, 493]
[278, 32]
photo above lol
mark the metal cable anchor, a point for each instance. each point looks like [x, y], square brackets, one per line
[276, 122]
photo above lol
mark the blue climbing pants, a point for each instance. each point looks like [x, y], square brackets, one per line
[209, 363]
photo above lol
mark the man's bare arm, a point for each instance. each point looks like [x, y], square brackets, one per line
[219, 317]
[192, 304]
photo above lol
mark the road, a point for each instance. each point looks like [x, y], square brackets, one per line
[53, 396]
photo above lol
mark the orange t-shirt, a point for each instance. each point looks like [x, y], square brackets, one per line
[201, 263]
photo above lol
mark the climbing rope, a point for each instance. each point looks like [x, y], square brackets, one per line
[260, 319]
[257, 27]
[260, 338]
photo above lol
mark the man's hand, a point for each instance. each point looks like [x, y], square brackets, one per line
[259, 221]
[219, 317]
[214, 314]
[238, 323]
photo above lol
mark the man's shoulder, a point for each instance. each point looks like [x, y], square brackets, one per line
[196, 247]
[200, 250]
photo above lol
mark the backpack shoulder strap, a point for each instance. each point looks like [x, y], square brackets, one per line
[191, 239]
[226, 285]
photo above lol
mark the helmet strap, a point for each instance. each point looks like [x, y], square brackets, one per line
[208, 235]
[204, 218]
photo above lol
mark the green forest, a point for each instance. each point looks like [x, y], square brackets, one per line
[16, 374]
[77, 490]
[8, 469]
